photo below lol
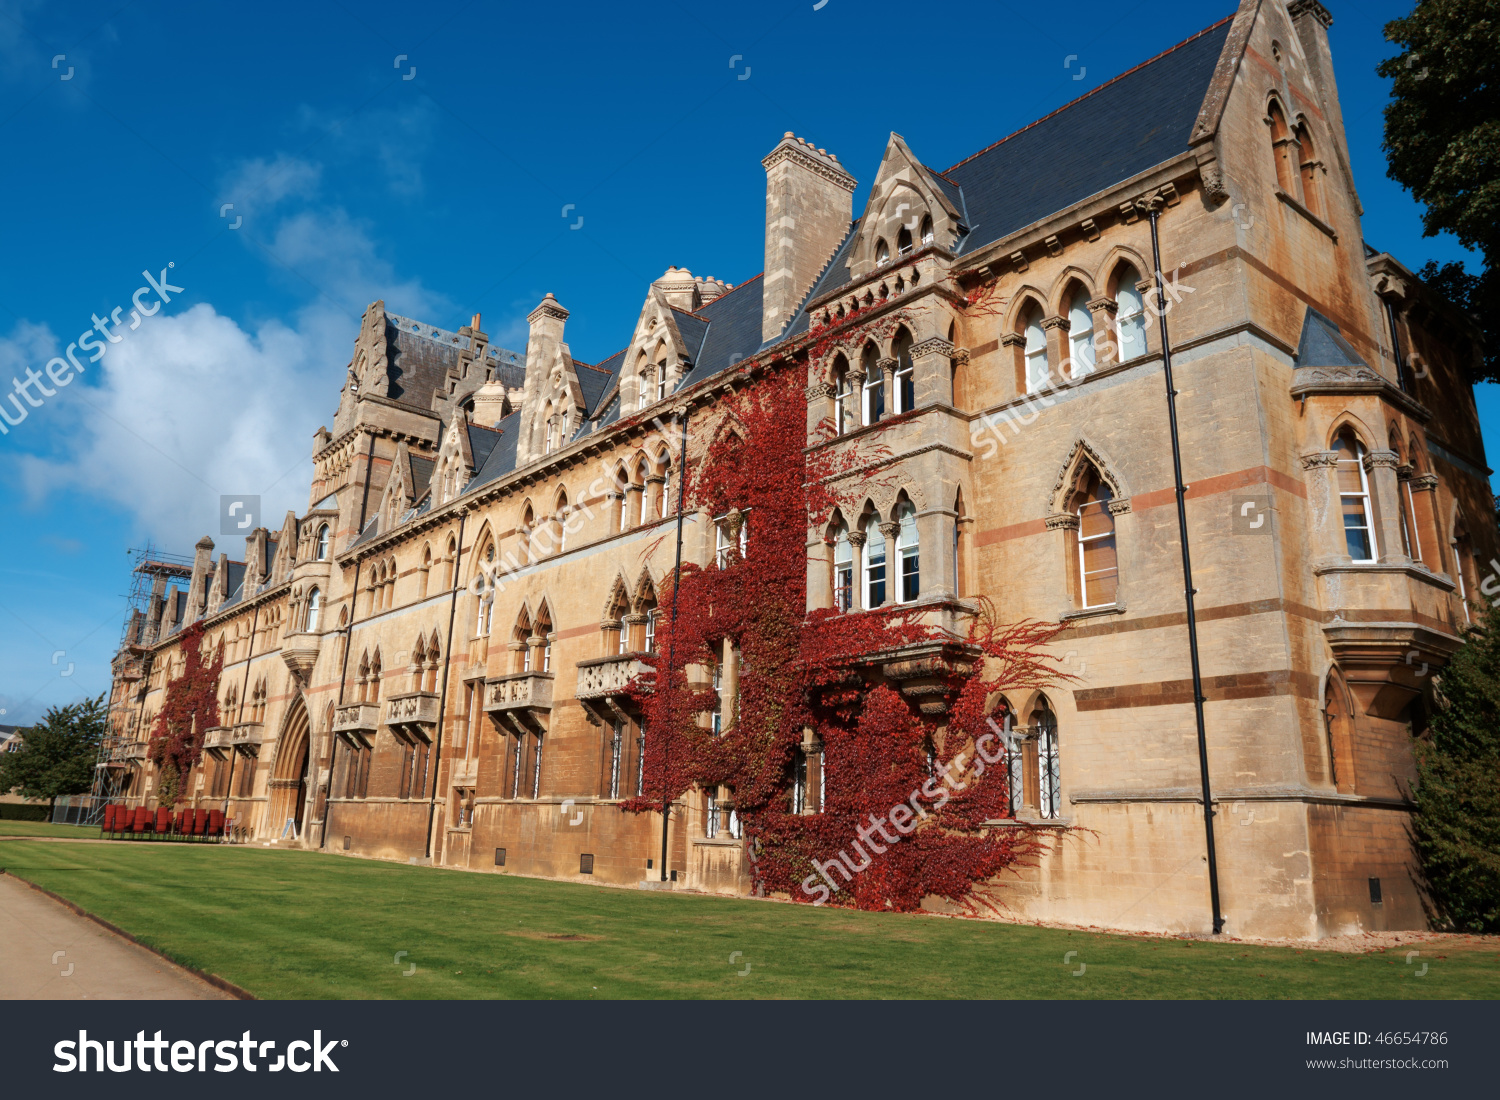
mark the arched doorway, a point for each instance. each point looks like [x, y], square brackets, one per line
[289, 776]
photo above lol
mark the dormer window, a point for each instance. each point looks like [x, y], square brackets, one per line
[926, 231]
[882, 252]
[903, 241]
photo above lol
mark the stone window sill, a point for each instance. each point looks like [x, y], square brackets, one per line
[1092, 612]
[1318, 223]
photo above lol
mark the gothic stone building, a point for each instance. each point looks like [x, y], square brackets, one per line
[428, 663]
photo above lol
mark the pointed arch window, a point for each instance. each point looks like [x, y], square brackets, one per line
[1098, 567]
[926, 230]
[874, 393]
[1130, 315]
[882, 252]
[874, 564]
[908, 555]
[1037, 373]
[843, 395]
[1354, 497]
[314, 609]
[1081, 334]
[843, 570]
[904, 389]
[1048, 770]
[544, 633]
[903, 242]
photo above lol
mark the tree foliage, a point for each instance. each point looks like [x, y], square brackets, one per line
[190, 708]
[1457, 824]
[58, 754]
[1442, 142]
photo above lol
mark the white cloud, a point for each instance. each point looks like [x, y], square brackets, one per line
[187, 408]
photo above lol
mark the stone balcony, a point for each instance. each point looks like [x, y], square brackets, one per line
[218, 739]
[522, 699]
[413, 714]
[300, 652]
[247, 736]
[136, 750]
[602, 684]
[357, 722]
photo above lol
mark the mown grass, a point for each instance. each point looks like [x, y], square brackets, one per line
[46, 828]
[291, 924]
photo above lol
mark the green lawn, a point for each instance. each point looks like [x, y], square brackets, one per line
[304, 925]
[46, 828]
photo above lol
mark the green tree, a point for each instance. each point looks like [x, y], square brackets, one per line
[1442, 143]
[1457, 824]
[58, 754]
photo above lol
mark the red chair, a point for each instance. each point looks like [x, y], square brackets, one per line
[178, 826]
[215, 822]
[200, 821]
[108, 824]
[142, 819]
[163, 820]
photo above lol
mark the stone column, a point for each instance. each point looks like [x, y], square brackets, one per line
[634, 494]
[935, 529]
[1066, 523]
[888, 372]
[655, 495]
[729, 685]
[1326, 525]
[819, 573]
[1017, 344]
[932, 372]
[1106, 350]
[820, 405]
[1425, 505]
[857, 548]
[890, 528]
[856, 396]
[1056, 329]
[1385, 499]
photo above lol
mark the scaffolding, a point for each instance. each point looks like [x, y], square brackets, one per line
[122, 742]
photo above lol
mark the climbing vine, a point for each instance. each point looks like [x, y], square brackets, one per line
[190, 708]
[806, 679]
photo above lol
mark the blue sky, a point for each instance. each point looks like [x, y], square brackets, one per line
[438, 183]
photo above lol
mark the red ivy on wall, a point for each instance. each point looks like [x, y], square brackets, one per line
[190, 708]
[802, 672]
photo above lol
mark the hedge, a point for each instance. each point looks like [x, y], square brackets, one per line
[20, 811]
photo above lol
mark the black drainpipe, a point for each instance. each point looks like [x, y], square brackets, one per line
[333, 753]
[666, 798]
[437, 758]
[1187, 576]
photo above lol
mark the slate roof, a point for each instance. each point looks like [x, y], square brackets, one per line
[1322, 345]
[481, 442]
[732, 332]
[421, 355]
[421, 474]
[501, 458]
[1120, 129]
[595, 381]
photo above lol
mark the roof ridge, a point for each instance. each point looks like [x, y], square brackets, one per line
[481, 427]
[606, 359]
[731, 290]
[1080, 99]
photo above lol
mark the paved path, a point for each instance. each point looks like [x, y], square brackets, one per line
[48, 952]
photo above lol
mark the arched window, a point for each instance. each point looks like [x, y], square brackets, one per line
[874, 395]
[449, 562]
[544, 632]
[434, 652]
[903, 241]
[550, 427]
[314, 609]
[1049, 782]
[1463, 565]
[640, 479]
[1098, 571]
[908, 557]
[661, 372]
[905, 393]
[882, 252]
[561, 520]
[322, 545]
[484, 586]
[1354, 497]
[874, 564]
[622, 486]
[844, 419]
[425, 573]
[1312, 197]
[418, 663]
[1282, 149]
[1037, 373]
[1130, 315]
[926, 230]
[665, 504]
[643, 381]
[375, 678]
[1081, 334]
[528, 529]
[843, 569]
[521, 635]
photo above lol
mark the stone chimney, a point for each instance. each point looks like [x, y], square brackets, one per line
[490, 404]
[809, 204]
[543, 347]
[203, 571]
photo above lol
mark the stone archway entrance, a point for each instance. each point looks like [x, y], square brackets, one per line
[289, 777]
